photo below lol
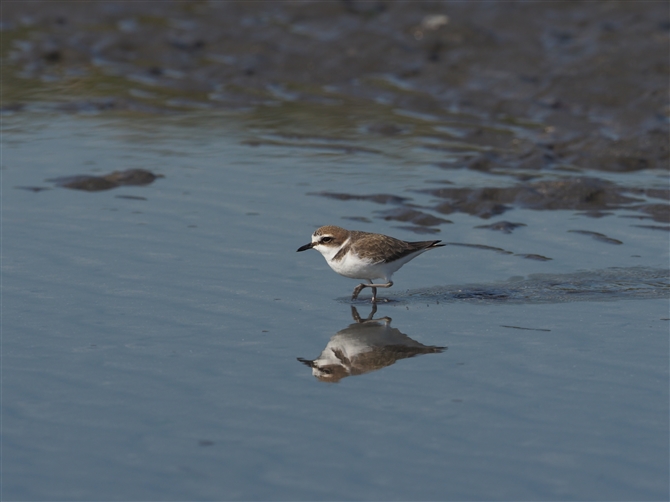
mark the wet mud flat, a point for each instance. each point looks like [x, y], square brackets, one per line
[589, 78]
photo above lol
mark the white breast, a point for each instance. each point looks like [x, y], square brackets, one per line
[354, 267]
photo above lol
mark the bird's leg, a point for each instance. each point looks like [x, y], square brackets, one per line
[374, 287]
[374, 292]
[360, 288]
[357, 290]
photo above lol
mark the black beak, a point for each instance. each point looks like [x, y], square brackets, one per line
[305, 247]
[306, 362]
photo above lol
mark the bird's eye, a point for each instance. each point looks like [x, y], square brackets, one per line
[326, 240]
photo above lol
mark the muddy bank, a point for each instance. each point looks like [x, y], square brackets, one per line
[579, 84]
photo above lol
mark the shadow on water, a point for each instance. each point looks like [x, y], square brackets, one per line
[610, 284]
[365, 345]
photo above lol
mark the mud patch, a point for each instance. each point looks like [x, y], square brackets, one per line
[130, 197]
[589, 194]
[597, 236]
[479, 246]
[380, 198]
[654, 227]
[418, 229]
[505, 227]
[419, 218]
[135, 177]
[536, 257]
[525, 329]
[32, 189]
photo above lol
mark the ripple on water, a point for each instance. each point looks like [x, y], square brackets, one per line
[611, 284]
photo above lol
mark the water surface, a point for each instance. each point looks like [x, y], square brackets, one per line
[151, 333]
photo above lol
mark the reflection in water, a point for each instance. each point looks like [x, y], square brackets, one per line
[366, 345]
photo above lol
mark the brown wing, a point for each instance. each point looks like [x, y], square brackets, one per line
[377, 244]
[413, 247]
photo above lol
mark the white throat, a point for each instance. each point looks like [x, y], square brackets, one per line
[329, 252]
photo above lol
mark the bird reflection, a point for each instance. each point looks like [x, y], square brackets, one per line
[366, 345]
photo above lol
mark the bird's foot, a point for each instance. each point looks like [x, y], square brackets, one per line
[380, 300]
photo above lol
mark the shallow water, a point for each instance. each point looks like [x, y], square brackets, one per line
[151, 333]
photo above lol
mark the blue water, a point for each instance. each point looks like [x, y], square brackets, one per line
[149, 347]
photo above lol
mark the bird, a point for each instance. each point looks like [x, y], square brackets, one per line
[365, 255]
